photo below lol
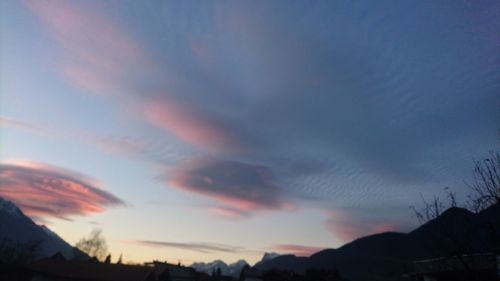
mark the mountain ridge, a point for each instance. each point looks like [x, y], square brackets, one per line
[386, 256]
[232, 269]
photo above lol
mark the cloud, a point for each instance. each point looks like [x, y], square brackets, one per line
[155, 151]
[201, 247]
[238, 187]
[348, 226]
[364, 111]
[230, 212]
[20, 125]
[191, 126]
[298, 250]
[44, 191]
[361, 107]
[104, 57]
[145, 149]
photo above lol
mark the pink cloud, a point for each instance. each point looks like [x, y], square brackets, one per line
[93, 80]
[89, 32]
[240, 189]
[103, 55]
[229, 212]
[43, 191]
[191, 126]
[104, 58]
[16, 124]
[348, 227]
[298, 250]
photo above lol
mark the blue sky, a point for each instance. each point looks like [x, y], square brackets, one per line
[222, 129]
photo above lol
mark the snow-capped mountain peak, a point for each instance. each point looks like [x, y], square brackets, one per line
[270, 256]
[21, 229]
[232, 269]
[8, 207]
[267, 257]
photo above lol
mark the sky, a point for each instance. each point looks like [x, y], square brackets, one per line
[200, 130]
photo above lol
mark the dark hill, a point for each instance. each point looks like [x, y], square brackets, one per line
[386, 256]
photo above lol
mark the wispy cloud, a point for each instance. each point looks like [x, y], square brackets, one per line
[136, 147]
[24, 126]
[155, 151]
[273, 91]
[103, 55]
[230, 212]
[106, 59]
[202, 247]
[349, 226]
[44, 191]
[191, 126]
[298, 250]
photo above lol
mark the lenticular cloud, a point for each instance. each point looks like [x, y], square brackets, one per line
[43, 191]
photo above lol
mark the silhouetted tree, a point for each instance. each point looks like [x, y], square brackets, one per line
[120, 259]
[108, 259]
[484, 193]
[486, 185]
[434, 208]
[94, 245]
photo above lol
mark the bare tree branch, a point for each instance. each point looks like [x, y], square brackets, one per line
[486, 185]
[94, 245]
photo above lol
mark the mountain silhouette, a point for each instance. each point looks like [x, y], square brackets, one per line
[232, 269]
[17, 229]
[387, 256]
